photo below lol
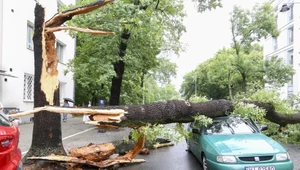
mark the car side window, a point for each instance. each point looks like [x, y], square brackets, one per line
[4, 121]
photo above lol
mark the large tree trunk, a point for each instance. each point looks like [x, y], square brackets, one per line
[181, 111]
[46, 137]
[119, 68]
[163, 112]
[171, 111]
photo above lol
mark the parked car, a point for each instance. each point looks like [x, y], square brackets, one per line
[234, 143]
[10, 153]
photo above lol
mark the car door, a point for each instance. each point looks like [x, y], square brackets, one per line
[195, 142]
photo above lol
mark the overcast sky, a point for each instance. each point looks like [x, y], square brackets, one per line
[206, 33]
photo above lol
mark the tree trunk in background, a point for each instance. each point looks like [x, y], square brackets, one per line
[46, 136]
[119, 68]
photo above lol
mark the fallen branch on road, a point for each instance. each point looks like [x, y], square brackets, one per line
[103, 164]
[97, 155]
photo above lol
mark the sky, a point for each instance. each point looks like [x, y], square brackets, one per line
[206, 33]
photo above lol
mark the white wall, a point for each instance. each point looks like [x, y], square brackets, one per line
[283, 24]
[17, 59]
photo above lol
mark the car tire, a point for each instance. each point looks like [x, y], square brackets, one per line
[204, 163]
[188, 146]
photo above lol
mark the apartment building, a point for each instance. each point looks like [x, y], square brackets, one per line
[287, 44]
[17, 55]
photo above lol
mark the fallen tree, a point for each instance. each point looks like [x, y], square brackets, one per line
[47, 138]
[164, 112]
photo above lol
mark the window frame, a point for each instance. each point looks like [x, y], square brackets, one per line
[59, 3]
[62, 90]
[60, 48]
[29, 38]
[290, 32]
[290, 61]
[275, 43]
[290, 13]
[26, 87]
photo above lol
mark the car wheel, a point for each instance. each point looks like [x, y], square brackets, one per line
[188, 146]
[204, 163]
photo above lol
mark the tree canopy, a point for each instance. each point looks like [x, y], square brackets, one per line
[144, 32]
[243, 66]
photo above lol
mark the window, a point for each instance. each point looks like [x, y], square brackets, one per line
[290, 61]
[275, 44]
[231, 125]
[290, 35]
[28, 87]
[60, 51]
[291, 13]
[62, 89]
[275, 9]
[59, 3]
[290, 57]
[29, 36]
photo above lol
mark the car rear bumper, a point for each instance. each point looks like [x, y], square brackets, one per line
[20, 166]
[286, 165]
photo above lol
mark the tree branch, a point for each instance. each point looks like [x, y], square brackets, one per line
[85, 30]
[60, 18]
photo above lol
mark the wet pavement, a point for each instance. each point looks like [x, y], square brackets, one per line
[75, 133]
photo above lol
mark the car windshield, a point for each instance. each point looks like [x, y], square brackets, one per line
[231, 125]
[3, 120]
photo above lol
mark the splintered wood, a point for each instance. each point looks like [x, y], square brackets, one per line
[93, 152]
[97, 155]
[102, 115]
[102, 164]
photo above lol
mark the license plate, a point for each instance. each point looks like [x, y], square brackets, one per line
[260, 168]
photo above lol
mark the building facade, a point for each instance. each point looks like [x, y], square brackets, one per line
[17, 55]
[287, 44]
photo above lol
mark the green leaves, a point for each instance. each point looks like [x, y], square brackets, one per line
[154, 27]
[249, 111]
[249, 27]
[277, 73]
[202, 120]
[272, 97]
[204, 5]
[152, 132]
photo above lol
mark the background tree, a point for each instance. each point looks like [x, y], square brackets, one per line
[248, 27]
[233, 70]
[218, 78]
[143, 30]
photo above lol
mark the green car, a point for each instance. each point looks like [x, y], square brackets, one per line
[234, 143]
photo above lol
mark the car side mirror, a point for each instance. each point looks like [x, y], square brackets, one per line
[196, 131]
[264, 127]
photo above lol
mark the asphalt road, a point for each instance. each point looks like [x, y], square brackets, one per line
[75, 133]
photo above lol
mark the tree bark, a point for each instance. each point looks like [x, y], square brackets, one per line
[165, 112]
[119, 68]
[47, 137]
[181, 111]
